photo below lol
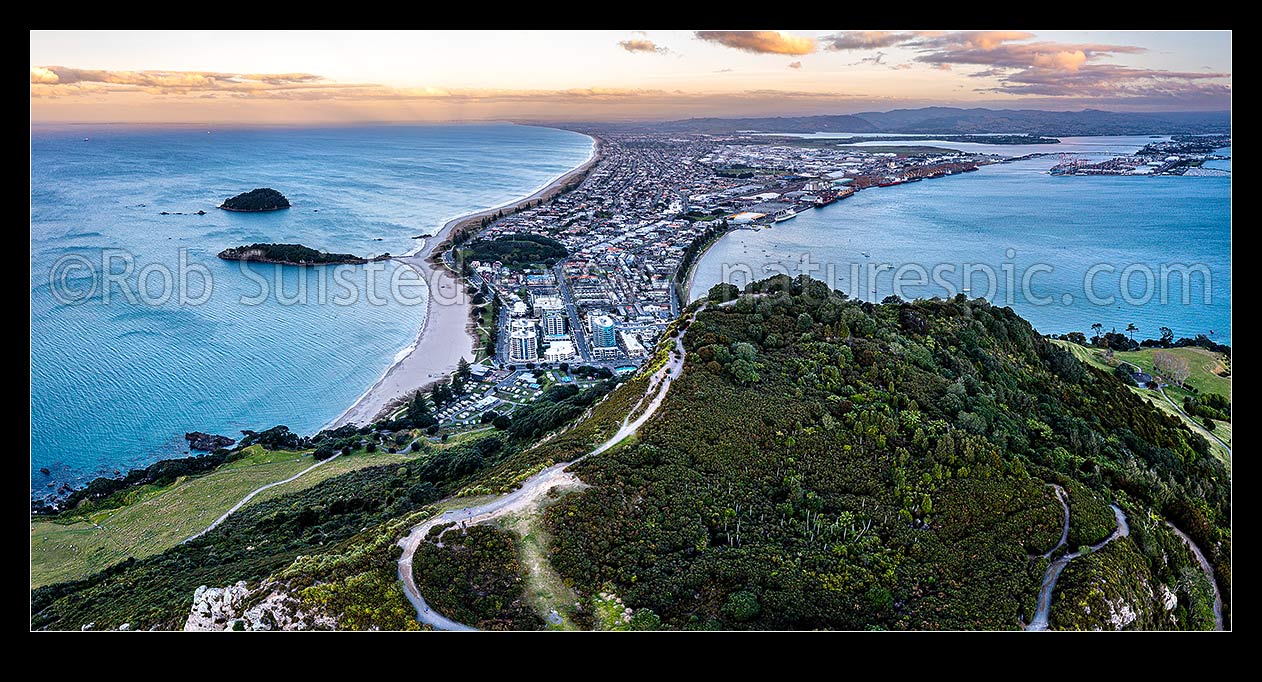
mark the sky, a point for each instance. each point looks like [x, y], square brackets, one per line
[359, 76]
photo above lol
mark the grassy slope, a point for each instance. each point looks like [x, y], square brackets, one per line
[341, 465]
[1203, 363]
[544, 589]
[1203, 378]
[159, 518]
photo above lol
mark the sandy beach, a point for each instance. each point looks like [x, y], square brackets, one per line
[447, 334]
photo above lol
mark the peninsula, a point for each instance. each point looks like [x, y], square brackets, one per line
[256, 200]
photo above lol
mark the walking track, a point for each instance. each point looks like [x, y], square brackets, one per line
[532, 491]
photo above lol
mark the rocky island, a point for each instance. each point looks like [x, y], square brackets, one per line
[294, 254]
[256, 200]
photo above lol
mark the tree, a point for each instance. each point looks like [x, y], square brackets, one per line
[1209, 424]
[1077, 337]
[1171, 366]
[742, 606]
[1167, 335]
[441, 395]
[1123, 372]
[1098, 329]
[418, 411]
[722, 292]
[1131, 329]
[645, 619]
[463, 371]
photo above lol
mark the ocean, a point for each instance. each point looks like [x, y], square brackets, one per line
[1041, 239]
[121, 367]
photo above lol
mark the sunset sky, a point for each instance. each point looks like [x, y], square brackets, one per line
[333, 77]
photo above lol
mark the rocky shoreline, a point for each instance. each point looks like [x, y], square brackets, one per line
[207, 442]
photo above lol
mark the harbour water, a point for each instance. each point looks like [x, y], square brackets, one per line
[1015, 217]
[115, 383]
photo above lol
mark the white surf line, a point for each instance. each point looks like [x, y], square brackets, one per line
[249, 497]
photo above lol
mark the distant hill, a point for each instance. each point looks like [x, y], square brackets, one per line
[955, 121]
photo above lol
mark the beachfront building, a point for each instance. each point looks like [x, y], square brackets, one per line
[554, 322]
[523, 344]
[552, 317]
[603, 335]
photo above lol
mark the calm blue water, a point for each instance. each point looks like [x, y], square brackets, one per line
[1016, 215]
[116, 384]
[1220, 165]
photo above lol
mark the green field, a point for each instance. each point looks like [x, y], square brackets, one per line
[1205, 366]
[1203, 378]
[155, 519]
[342, 465]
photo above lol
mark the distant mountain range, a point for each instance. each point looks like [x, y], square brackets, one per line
[955, 121]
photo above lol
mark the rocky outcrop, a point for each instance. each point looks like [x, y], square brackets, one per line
[238, 608]
[261, 199]
[207, 442]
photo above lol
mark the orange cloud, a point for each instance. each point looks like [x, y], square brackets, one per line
[989, 40]
[642, 45]
[1063, 60]
[1067, 70]
[760, 42]
[66, 94]
[171, 81]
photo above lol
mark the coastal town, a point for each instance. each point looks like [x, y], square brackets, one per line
[630, 234]
[1181, 155]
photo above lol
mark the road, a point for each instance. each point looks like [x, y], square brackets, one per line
[258, 490]
[1202, 429]
[576, 326]
[1039, 622]
[1064, 530]
[531, 493]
